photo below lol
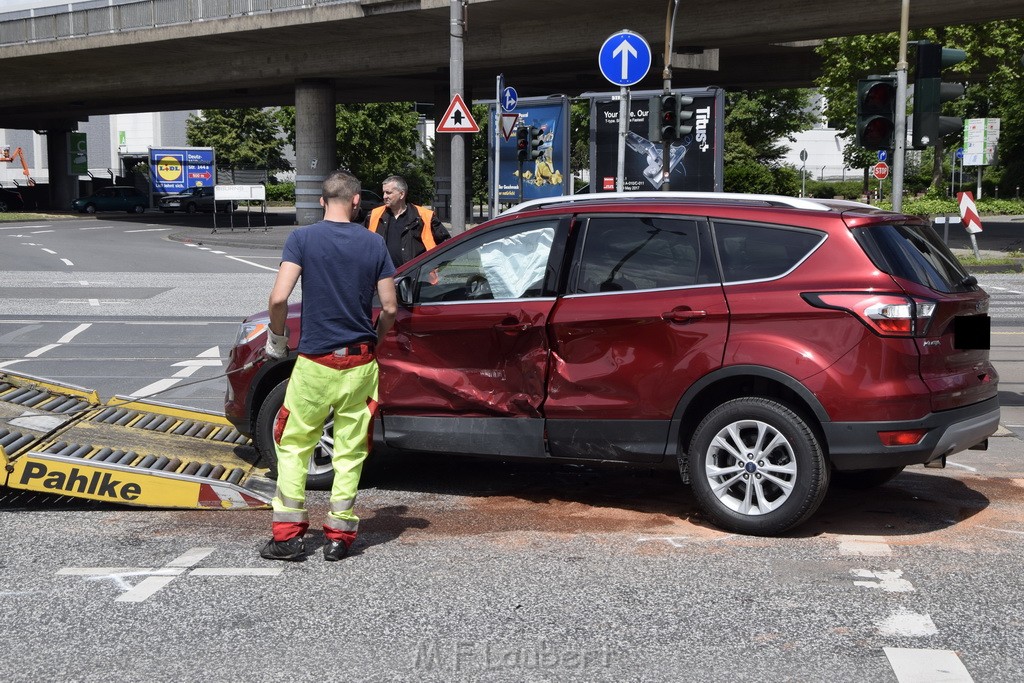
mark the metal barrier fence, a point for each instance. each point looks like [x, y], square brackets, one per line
[110, 16]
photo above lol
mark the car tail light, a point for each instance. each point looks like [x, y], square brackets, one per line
[889, 315]
[907, 437]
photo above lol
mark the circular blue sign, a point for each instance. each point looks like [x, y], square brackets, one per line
[625, 58]
[960, 150]
[509, 98]
[883, 155]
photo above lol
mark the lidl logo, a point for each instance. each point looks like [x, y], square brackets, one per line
[169, 168]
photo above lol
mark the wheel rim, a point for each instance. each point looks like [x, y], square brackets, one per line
[751, 467]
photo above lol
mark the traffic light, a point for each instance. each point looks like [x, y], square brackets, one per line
[667, 121]
[876, 112]
[523, 143]
[930, 92]
[536, 140]
[684, 114]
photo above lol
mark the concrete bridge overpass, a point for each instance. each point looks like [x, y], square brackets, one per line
[118, 56]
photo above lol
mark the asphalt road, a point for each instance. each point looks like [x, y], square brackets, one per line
[470, 570]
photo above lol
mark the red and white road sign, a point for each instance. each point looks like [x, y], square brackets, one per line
[880, 170]
[457, 118]
[508, 125]
[969, 212]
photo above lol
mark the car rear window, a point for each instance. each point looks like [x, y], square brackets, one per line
[760, 252]
[915, 253]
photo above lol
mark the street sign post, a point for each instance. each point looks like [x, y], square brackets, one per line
[624, 59]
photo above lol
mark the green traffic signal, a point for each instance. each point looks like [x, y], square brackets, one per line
[876, 112]
[930, 92]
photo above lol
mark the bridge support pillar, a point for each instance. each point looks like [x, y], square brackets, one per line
[315, 146]
[63, 186]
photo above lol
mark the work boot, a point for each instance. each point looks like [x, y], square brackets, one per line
[292, 549]
[335, 550]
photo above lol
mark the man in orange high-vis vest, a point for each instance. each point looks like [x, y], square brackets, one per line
[407, 229]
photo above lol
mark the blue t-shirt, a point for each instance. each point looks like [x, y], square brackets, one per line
[341, 265]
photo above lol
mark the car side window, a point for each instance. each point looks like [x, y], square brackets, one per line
[628, 253]
[509, 263]
[761, 252]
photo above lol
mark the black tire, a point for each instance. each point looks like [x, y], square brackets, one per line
[321, 474]
[190, 207]
[3, 206]
[859, 480]
[783, 475]
[90, 208]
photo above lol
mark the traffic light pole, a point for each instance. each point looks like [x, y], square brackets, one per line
[666, 75]
[900, 133]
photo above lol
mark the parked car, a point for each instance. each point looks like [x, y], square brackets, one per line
[10, 200]
[112, 198]
[762, 346]
[195, 199]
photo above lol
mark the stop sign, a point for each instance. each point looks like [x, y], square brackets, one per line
[880, 170]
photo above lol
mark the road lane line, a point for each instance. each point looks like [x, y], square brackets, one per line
[74, 333]
[903, 622]
[67, 262]
[154, 388]
[250, 263]
[888, 581]
[148, 230]
[926, 666]
[41, 350]
[230, 571]
[864, 545]
[50, 251]
[40, 232]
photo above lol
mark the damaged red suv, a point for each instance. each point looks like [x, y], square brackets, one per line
[763, 346]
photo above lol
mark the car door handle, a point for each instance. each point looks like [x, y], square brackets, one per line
[683, 315]
[512, 325]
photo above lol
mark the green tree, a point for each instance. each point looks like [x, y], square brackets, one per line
[755, 123]
[241, 138]
[992, 72]
[377, 140]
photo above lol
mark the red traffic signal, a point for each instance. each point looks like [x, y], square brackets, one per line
[523, 143]
[876, 112]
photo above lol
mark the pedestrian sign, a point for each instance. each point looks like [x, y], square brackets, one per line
[457, 118]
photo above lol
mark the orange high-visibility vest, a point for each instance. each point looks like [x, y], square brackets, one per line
[426, 215]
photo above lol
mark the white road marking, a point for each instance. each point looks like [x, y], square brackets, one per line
[67, 262]
[155, 387]
[94, 302]
[864, 545]
[888, 581]
[40, 232]
[98, 227]
[8, 363]
[250, 263]
[906, 623]
[927, 666]
[41, 350]
[50, 251]
[74, 333]
[158, 577]
[148, 230]
[229, 571]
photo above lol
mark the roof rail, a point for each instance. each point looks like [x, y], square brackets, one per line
[771, 199]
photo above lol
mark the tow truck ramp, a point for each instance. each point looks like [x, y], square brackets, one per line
[61, 439]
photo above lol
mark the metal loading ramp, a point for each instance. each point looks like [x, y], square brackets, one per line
[60, 439]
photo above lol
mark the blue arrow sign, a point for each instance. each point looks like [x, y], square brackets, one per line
[959, 152]
[509, 97]
[883, 155]
[625, 58]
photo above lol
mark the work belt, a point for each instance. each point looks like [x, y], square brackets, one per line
[345, 357]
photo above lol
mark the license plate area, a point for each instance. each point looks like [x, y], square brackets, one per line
[972, 332]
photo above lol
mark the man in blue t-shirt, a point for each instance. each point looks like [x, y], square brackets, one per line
[342, 265]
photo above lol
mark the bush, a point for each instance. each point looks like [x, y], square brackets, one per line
[281, 192]
[749, 176]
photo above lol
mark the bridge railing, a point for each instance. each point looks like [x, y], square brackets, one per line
[110, 16]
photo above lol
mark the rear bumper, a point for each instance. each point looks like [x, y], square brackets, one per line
[856, 446]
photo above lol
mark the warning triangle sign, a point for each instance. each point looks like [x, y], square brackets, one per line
[457, 119]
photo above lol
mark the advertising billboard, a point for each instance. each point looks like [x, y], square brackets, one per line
[546, 176]
[173, 169]
[695, 162]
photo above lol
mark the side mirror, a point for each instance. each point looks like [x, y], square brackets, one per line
[404, 286]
